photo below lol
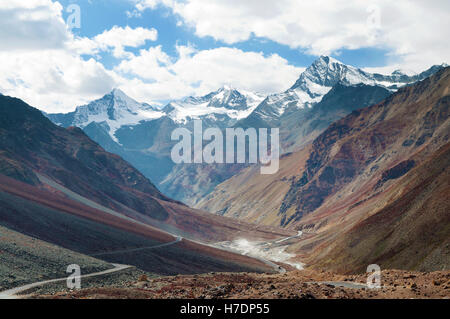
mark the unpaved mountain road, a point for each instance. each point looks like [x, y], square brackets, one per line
[13, 293]
[300, 233]
[93, 204]
[179, 238]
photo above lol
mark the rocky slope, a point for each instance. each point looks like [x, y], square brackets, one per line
[370, 141]
[31, 146]
[59, 187]
[41, 260]
[327, 91]
[293, 285]
[369, 189]
[319, 78]
[141, 134]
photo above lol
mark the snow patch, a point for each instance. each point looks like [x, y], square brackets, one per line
[262, 250]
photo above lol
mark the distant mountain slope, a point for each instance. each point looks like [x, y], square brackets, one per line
[253, 197]
[371, 139]
[113, 110]
[59, 186]
[410, 232]
[372, 188]
[345, 163]
[319, 78]
[141, 134]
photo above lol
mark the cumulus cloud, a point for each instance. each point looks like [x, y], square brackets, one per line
[117, 38]
[31, 24]
[415, 33]
[53, 80]
[38, 63]
[46, 68]
[199, 72]
[41, 60]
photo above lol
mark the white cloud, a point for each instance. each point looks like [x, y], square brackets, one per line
[52, 75]
[41, 60]
[141, 5]
[415, 32]
[194, 72]
[31, 24]
[117, 38]
[53, 80]
[37, 62]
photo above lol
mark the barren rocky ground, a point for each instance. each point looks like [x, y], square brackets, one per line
[24, 259]
[304, 284]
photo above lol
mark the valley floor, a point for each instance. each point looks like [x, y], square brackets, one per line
[303, 284]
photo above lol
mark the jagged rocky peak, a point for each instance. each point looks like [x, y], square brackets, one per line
[110, 107]
[115, 108]
[327, 72]
[227, 102]
[121, 100]
[227, 97]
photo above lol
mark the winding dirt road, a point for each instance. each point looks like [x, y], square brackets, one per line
[13, 293]
[179, 238]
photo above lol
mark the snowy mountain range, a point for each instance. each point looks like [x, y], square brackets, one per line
[226, 102]
[116, 110]
[140, 133]
[318, 79]
[227, 105]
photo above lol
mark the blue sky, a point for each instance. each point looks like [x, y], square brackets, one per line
[101, 15]
[160, 50]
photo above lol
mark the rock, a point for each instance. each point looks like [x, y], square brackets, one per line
[141, 285]
[413, 286]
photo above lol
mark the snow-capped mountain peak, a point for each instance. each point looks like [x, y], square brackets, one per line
[114, 109]
[226, 102]
[114, 106]
[231, 98]
[324, 73]
[327, 72]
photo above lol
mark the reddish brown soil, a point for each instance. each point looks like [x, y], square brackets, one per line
[67, 205]
[305, 284]
[63, 204]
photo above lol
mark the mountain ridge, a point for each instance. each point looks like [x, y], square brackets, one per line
[366, 190]
[144, 142]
